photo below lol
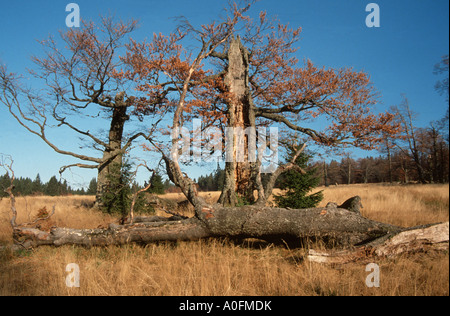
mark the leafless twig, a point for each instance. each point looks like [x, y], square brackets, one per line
[8, 167]
[135, 195]
[6, 162]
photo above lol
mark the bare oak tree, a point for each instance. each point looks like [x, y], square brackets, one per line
[81, 84]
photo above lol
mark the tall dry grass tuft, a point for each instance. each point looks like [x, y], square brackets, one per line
[402, 205]
[220, 267]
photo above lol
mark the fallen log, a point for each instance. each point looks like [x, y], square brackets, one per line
[142, 233]
[414, 240]
[333, 226]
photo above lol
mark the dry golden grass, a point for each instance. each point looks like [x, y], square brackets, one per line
[70, 211]
[217, 267]
[400, 205]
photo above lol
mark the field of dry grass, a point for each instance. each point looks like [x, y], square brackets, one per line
[219, 267]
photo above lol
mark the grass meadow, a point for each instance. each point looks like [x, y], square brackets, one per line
[220, 267]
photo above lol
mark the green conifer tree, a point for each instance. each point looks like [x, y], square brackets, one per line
[157, 185]
[92, 189]
[117, 194]
[52, 187]
[298, 185]
[37, 186]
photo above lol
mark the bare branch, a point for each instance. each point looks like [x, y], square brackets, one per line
[133, 202]
[63, 121]
[211, 36]
[282, 119]
[9, 169]
[10, 97]
[135, 195]
[79, 165]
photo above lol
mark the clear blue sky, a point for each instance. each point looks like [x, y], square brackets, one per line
[399, 55]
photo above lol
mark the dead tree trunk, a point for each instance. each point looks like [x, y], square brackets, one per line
[334, 226]
[240, 117]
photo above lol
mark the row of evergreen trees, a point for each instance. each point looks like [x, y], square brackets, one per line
[117, 196]
[212, 181]
[54, 187]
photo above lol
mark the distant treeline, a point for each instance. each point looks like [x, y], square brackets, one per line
[397, 167]
[212, 181]
[54, 187]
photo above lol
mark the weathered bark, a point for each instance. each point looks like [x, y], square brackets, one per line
[335, 227]
[243, 159]
[421, 239]
[240, 116]
[113, 154]
[141, 233]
